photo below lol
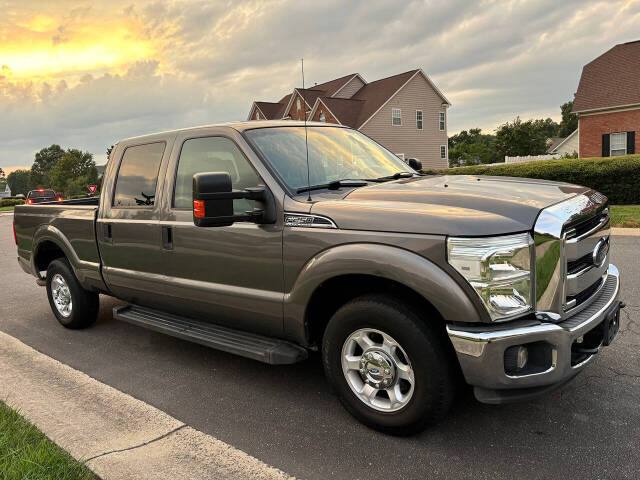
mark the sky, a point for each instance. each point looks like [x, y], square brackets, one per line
[86, 74]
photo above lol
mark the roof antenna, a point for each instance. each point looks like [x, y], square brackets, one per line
[306, 139]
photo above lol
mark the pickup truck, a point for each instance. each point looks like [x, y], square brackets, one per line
[234, 237]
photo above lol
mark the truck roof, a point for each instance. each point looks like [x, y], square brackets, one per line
[239, 126]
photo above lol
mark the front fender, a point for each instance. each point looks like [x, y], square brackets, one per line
[392, 263]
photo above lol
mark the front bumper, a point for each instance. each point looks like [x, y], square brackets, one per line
[481, 350]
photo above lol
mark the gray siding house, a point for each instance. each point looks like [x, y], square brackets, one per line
[406, 113]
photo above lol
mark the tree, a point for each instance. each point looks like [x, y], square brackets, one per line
[18, 181]
[46, 159]
[471, 147]
[3, 181]
[569, 120]
[73, 172]
[547, 127]
[521, 138]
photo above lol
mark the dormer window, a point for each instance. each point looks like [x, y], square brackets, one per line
[322, 117]
[298, 105]
[257, 115]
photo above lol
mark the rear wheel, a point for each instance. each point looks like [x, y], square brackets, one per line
[73, 306]
[392, 369]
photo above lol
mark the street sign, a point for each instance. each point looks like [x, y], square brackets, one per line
[92, 188]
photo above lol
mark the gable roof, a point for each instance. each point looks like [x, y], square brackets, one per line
[270, 110]
[611, 80]
[332, 86]
[563, 141]
[554, 142]
[346, 110]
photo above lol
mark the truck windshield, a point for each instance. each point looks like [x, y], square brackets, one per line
[334, 154]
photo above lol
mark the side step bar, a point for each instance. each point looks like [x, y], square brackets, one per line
[250, 345]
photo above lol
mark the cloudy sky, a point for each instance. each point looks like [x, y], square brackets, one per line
[84, 74]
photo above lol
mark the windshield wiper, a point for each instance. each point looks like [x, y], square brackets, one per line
[395, 176]
[336, 184]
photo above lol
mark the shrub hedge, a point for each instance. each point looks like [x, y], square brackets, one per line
[617, 177]
[11, 202]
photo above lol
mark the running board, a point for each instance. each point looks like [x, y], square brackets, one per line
[250, 345]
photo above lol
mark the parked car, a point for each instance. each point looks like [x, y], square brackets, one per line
[230, 237]
[42, 195]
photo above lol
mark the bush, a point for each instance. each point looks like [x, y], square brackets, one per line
[11, 202]
[616, 177]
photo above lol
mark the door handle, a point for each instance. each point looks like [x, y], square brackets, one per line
[106, 233]
[167, 238]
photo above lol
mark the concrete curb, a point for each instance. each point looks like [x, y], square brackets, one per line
[633, 232]
[118, 437]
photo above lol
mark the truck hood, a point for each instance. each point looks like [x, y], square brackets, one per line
[447, 205]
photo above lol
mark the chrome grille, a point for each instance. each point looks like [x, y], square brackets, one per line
[572, 241]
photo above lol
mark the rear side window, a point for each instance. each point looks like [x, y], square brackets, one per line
[213, 154]
[42, 194]
[138, 176]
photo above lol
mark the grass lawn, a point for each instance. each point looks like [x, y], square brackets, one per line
[6, 209]
[625, 216]
[26, 453]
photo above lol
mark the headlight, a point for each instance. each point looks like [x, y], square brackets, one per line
[498, 268]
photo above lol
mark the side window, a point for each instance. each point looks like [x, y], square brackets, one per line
[213, 154]
[138, 176]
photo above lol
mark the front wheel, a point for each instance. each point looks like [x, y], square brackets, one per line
[73, 306]
[391, 368]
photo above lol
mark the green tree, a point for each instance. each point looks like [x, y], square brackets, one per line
[45, 160]
[569, 120]
[18, 181]
[547, 127]
[3, 181]
[471, 147]
[520, 138]
[73, 172]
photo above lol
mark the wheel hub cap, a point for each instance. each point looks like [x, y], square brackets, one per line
[377, 369]
[61, 295]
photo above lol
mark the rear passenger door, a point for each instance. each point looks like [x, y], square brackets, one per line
[128, 228]
[228, 275]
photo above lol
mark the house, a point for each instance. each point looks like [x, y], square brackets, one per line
[565, 146]
[608, 103]
[406, 113]
[6, 192]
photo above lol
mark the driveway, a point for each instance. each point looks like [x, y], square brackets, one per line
[287, 417]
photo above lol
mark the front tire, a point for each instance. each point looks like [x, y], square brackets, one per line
[391, 369]
[73, 306]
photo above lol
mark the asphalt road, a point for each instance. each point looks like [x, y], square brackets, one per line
[287, 416]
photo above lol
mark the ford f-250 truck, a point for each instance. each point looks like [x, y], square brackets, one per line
[231, 237]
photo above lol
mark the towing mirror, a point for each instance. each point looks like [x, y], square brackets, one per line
[213, 199]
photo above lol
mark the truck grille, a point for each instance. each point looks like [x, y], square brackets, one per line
[572, 255]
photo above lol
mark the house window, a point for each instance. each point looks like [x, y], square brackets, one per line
[396, 116]
[322, 118]
[419, 119]
[400, 156]
[298, 106]
[441, 122]
[618, 143]
[257, 115]
[443, 151]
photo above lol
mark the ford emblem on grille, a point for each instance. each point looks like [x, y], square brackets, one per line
[600, 252]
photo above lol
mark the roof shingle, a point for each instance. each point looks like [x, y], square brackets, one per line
[611, 80]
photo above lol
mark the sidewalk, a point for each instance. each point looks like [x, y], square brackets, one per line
[119, 437]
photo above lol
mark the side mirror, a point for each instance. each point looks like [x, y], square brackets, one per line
[213, 201]
[415, 164]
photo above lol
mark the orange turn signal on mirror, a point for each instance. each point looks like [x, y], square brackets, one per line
[198, 208]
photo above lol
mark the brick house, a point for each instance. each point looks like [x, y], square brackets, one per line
[608, 103]
[406, 113]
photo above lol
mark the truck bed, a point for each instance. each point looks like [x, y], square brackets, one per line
[69, 226]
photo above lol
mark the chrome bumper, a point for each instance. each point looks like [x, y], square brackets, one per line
[480, 350]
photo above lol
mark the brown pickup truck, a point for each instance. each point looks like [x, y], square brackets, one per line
[231, 237]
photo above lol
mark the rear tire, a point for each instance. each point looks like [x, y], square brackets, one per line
[73, 306]
[400, 344]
